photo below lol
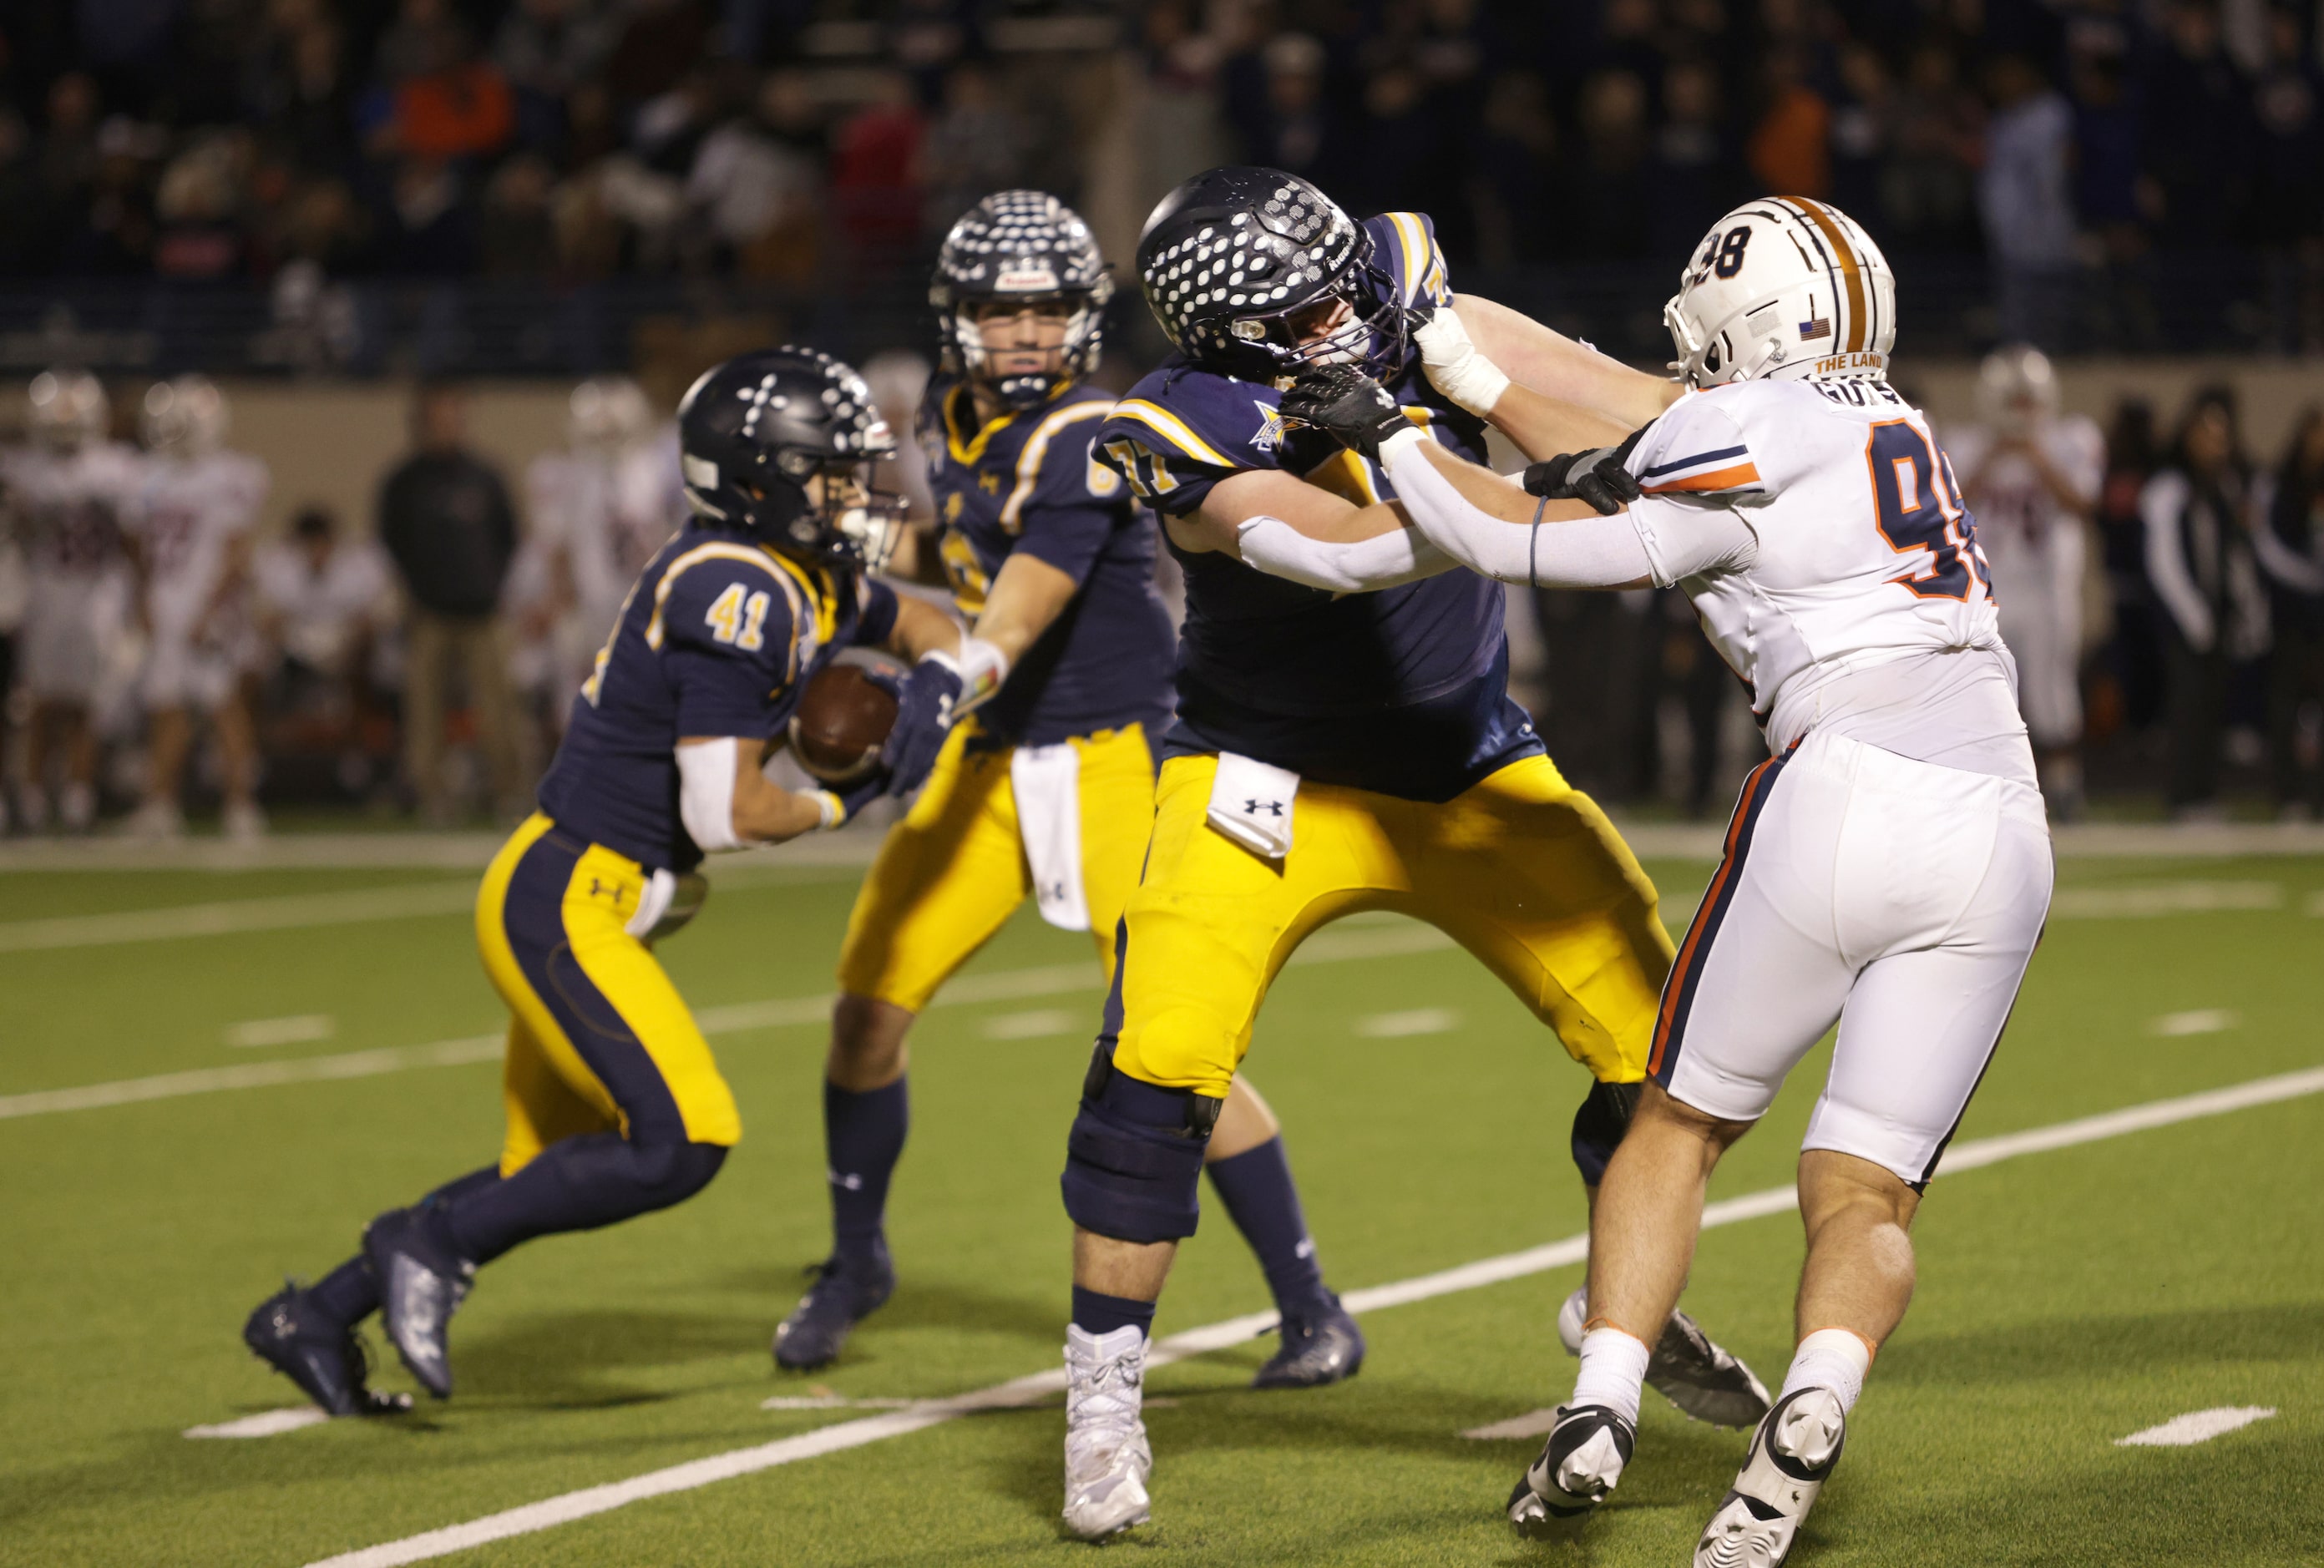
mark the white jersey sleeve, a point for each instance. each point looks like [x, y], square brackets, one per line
[1700, 450]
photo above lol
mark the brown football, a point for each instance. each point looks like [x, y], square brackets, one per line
[843, 719]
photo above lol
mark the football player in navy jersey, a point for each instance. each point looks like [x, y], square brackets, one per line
[1338, 747]
[616, 1106]
[1043, 781]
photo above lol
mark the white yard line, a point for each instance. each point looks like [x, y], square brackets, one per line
[265, 1424]
[1036, 1386]
[999, 985]
[2201, 1020]
[2196, 1427]
[2150, 901]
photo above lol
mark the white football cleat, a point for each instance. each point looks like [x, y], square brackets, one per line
[1578, 1466]
[1688, 1368]
[1107, 1459]
[1792, 1455]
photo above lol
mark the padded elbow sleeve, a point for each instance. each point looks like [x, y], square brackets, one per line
[1134, 1159]
[706, 793]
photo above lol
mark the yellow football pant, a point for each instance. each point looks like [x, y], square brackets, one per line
[952, 871]
[599, 1039]
[1522, 870]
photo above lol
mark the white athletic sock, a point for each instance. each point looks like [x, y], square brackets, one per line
[1833, 1358]
[1613, 1371]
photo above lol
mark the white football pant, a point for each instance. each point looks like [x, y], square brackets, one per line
[1902, 898]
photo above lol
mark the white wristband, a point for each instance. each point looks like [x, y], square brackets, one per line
[1455, 368]
[981, 667]
[834, 809]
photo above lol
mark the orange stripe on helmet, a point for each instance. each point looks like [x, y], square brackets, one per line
[1851, 273]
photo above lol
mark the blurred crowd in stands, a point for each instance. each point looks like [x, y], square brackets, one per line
[2075, 146]
[2162, 587]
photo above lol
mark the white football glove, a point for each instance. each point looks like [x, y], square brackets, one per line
[1454, 366]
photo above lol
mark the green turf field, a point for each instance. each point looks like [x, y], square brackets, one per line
[2068, 1298]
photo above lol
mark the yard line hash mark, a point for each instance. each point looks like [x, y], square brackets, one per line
[256, 1033]
[1039, 1023]
[999, 985]
[2196, 1427]
[1419, 1020]
[1034, 1387]
[2201, 1020]
[265, 1424]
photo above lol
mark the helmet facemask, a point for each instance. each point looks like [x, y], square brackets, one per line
[1075, 356]
[1375, 336]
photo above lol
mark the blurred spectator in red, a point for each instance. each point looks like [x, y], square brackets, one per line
[875, 174]
[2022, 196]
[2199, 559]
[199, 205]
[2289, 539]
[2288, 195]
[454, 106]
[1790, 148]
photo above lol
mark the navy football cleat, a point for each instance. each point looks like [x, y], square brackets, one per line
[1578, 1466]
[323, 1357]
[1328, 1348]
[421, 1285]
[846, 1291]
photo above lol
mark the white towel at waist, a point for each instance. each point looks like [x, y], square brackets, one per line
[1252, 803]
[1048, 782]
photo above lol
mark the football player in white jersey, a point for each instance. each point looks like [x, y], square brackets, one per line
[597, 511]
[1889, 867]
[70, 487]
[195, 511]
[2032, 475]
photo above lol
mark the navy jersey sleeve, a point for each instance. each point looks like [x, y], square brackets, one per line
[875, 612]
[1065, 504]
[729, 646]
[1181, 431]
[1404, 243]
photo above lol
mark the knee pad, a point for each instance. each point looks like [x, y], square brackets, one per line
[1598, 1124]
[1134, 1159]
[671, 1173]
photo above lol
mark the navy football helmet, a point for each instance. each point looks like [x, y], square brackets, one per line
[1232, 255]
[1027, 247]
[755, 432]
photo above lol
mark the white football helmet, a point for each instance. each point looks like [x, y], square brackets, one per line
[2016, 386]
[185, 416]
[1785, 288]
[69, 408]
[608, 411]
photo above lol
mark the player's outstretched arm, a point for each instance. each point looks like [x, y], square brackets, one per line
[1289, 529]
[1027, 596]
[1559, 368]
[727, 802]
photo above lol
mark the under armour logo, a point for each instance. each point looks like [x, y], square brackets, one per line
[1305, 1249]
[1253, 807]
[853, 1184]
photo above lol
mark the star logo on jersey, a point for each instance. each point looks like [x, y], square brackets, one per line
[1271, 427]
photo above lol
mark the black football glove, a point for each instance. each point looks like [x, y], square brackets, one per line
[924, 717]
[1347, 405]
[1599, 477]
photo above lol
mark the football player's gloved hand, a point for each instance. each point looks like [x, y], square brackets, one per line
[841, 802]
[1599, 477]
[926, 701]
[1346, 405]
[1453, 365]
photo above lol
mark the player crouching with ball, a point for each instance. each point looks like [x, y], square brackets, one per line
[616, 1106]
[1887, 868]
